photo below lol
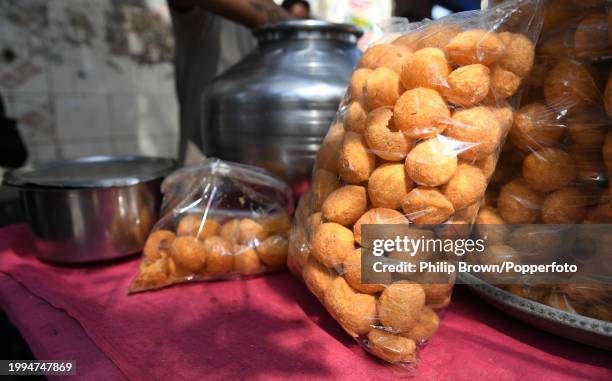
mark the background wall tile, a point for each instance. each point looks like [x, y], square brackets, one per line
[77, 91]
[72, 149]
[82, 117]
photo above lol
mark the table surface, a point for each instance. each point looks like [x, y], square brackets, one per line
[268, 327]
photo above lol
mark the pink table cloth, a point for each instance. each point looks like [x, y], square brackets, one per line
[268, 328]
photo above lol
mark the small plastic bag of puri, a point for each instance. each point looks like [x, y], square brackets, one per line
[219, 220]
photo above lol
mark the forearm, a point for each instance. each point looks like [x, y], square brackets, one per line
[247, 12]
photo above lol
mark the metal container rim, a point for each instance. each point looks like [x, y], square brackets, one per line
[23, 177]
[308, 26]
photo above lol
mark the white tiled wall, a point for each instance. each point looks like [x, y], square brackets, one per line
[70, 96]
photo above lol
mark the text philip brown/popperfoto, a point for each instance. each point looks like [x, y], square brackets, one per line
[459, 247]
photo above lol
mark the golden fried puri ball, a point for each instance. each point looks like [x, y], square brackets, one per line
[355, 118]
[229, 230]
[152, 275]
[558, 13]
[355, 162]
[608, 93]
[591, 37]
[391, 348]
[177, 272]
[317, 277]
[426, 326]
[468, 85]
[427, 206]
[327, 156]
[272, 251]
[548, 169]
[394, 58]
[607, 151]
[278, 222]
[426, 68]
[352, 274]
[588, 130]
[219, 256]
[400, 306]
[193, 226]
[324, 182]
[491, 226]
[408, 40]
[188, 253]
[570, 86]
[246, 261]
[382, 88]
[475, 46]
[437, 35]
[466, 187]
[487, 165]
[565, 206]
[535, 126]
[382, 138]
[588, 164]
[519, 54]
[357, 83]
[518, 203]
[557, 45]
[371, 58]
[479, 128]
[378, 216]
[387, 55]
[535, 242]
[496, 255]
[432, 162]
[503, 113]
[158, 244]
[504, 83]
[331, 243]
[437, 294]
[421, 113]
[442, 305]
[388, 185]
[345, 205]
[250, 233]
[356, 312]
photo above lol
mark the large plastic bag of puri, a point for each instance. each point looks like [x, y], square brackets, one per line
[551, 189]
[218, 220]
[414, 143]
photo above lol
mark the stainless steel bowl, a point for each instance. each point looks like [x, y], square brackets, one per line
[90, 209]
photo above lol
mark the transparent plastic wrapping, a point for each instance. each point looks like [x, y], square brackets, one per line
[219, 220]
[556, 164]
[415, 141]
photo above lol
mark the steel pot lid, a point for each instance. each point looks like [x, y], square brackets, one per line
[303, 29]
[90, 172]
